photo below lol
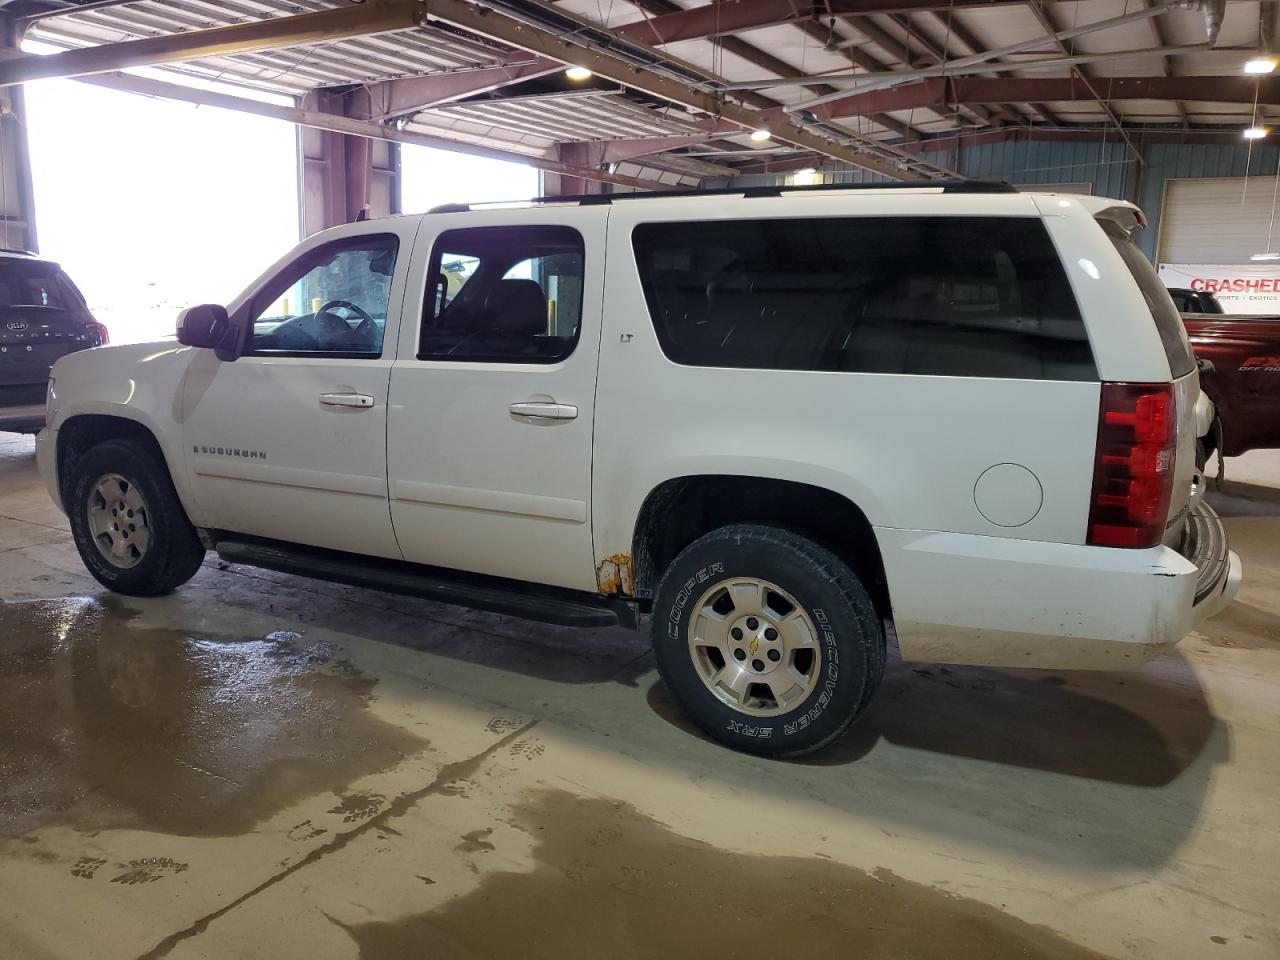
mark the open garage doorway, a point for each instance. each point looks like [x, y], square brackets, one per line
[152, 205]
[431, 177]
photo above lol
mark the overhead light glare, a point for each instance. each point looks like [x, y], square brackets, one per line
[760, 134]
[1265, 256]
[1255, 133]
[578, 73]
[1259, 65]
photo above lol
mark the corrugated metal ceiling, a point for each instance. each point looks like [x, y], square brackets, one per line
[532, 125]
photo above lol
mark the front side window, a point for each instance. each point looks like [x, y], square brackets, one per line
[333, 301]
[504, 294]
[945, 296]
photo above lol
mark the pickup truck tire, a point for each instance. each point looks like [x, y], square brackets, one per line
[766, 640]
[128, 523]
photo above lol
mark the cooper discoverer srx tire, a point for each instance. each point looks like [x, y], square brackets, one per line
[766, 640]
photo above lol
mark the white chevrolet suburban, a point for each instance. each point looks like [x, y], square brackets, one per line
[780, 424]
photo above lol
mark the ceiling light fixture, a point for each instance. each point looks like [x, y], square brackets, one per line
[578, 73]
[1259, 65]
[760, 134]
[1254, 133]
[1264, 256]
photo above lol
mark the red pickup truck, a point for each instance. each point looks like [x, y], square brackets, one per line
[1245, 382]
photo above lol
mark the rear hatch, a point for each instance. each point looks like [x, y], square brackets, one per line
[1121, 225]
[42, 318]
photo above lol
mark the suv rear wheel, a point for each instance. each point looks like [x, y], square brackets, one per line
[767, 641]
[128, 523]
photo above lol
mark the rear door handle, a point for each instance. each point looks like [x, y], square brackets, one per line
[346, 400]
[545, 411]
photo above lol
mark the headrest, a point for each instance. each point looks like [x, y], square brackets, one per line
[517, 306]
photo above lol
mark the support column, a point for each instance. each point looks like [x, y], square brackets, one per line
[564, 185]
[17, 198]
[342, 175]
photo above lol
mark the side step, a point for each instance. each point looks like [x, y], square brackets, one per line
[566, 608]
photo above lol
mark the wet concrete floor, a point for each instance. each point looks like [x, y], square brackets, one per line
[261, 765]
[107, 724]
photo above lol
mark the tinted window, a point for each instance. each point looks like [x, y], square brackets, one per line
[1173, 335]
[333, 300]
[1194, 301]
[978, 297]
[510, 294]
[32, 283]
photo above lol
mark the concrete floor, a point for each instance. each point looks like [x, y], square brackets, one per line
[264, 766]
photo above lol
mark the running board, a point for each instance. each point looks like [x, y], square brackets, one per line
[565, 608]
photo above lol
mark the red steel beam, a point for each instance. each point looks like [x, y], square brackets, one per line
[408, 95]
[970, 90]
[1091, 135]
[385, 16]
[734, 16]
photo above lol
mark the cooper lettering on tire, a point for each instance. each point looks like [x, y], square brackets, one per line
[766, 640]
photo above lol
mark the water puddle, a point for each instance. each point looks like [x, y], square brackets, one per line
[106, 723]
[610, 882]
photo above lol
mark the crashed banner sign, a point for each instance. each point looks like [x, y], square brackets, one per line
[1240, 288]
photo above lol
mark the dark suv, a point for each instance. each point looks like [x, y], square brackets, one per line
[42, 317]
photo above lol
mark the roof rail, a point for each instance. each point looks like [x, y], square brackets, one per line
[773, 190]
[776, 190]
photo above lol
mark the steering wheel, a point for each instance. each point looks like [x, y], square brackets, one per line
[338, 333]
[324, 308]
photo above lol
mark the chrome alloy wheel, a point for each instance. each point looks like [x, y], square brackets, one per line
[754, 646]
[119, 521]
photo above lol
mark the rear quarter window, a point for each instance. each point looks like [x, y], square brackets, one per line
[946, 296]
[1164, 312]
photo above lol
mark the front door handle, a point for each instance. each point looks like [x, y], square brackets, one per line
[346, 400]
[545, 411]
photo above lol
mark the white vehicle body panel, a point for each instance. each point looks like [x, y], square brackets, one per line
[474, 486]
[440, 471]
[323, 479]
[141, 382]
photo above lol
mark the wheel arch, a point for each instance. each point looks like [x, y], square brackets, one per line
[82, 431]
[680, 510]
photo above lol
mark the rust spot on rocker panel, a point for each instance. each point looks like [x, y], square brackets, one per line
[615, 576]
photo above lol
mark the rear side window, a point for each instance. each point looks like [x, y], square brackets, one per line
[1173, 335]
[504, 295]
[946, 296]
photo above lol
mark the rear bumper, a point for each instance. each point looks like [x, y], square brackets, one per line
[27, 417]
[961, 598]
[1218, 569]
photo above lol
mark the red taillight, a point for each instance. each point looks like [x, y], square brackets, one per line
[101, 331]
[1133, 466]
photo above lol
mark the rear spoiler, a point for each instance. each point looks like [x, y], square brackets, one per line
[1125, 216]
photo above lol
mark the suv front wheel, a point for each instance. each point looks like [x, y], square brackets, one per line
[766, 640]
[128, 523]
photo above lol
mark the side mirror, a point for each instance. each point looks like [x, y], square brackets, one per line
[208, 326]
